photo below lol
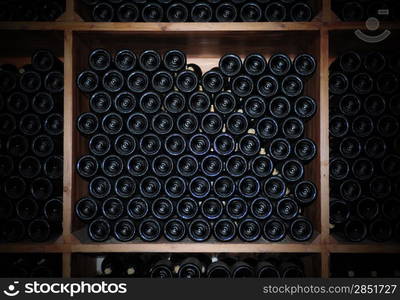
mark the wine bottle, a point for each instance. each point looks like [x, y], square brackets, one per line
[242, 86]
[226, 12]
[175, 144]
[137, 124]
[125, 60]
[112, 166]
[54, 124]
[255, 64]
[112, 208]
[175, 60]
[305, 150]
[43, 103]
[350, 147]
[250, 12]
[187, 123]
[125, 103]
[224, 144]
[99, 187]
[224, 186]
[375, 147]
[201, 12]
[236, 208]
[187, 81]
[27, 209]
[137, 208]
[162, 81]
[150, 60]
[30, 124]
[355, 230]
[249, 230]
[137, 82]
[150, 144]
[7, 124]
[350, 105]
[292, 170]
[174, 102]
[242, 269]
[191, 267]
[338, 83]
[237, 124]
[29, 167]
[280, 149]
[17, 103]
[267, 86]
[30, 82]
[199, 144]
[44, 60]
[267, 269]
[261, 208]
[199, 103]
[213, 81]
[230, 64]
[162, 123]
[249, 187]
[363, 169]
[274, 187]
[125, 145]
[374, 105]
[301, 229]
[162, 166]
[177, 12]
[187, 208]
[287, 209]
[86, 209]
[161, 269]
[99, 230]
[212, 123]
[350, 62]
[99, 60]
[38, 230]
[43, 146]
[103, 12]
[279, 107]
[174, 230]
[255, 107]
[267, 128]
[367, 209]
[236, 166]
[301, 12]
[175, 187]
[225, 230]
[87, 166]
[339, 211]
[88, 81]
[305, 192]
[362, 83]
[127, 12]
[150, 187]
[275, 12]
[199, 230]
[292, 269]
[211, 165]
[99, 145]
[152, 12]
[87, 123]
[14, 187]
[125, 187]
[149, 230]
[218, 269]
[211, 208]
[350, 190]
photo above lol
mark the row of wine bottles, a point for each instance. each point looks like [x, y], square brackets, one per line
[31, 162]
[364, 146]
[34, 10]
[201, 266]
[279, 75]
[223, 228]
[35, 265]
[364, 266]
[361, 10]
[199, 11]
[187, 156]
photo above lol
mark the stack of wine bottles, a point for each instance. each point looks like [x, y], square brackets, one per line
[201, 266]
[365, 266]
[179, 153]
[365, 146]
[361, 10]
[35, 265]
[31, 163]
[200, 11]
[33, 10]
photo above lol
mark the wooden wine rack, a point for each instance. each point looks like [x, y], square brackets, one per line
[71, 38]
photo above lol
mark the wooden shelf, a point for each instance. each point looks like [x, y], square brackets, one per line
[71, 39]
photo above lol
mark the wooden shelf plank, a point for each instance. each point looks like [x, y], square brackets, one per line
[198, 248]
[32, 248]
[364, 248]
[118, 26]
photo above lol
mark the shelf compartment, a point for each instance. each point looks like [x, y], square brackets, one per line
[204, 49]
[89, 264]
